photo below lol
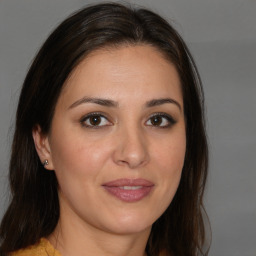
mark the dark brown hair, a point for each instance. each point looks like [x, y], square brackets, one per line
[34, 208]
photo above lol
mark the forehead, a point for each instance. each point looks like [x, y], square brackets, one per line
[128, 70]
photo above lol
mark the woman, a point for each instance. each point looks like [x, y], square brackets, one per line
[109, 155]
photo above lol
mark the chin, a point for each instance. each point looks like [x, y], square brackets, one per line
[130, 224]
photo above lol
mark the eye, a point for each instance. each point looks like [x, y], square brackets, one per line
[95, 120]
[161, 120]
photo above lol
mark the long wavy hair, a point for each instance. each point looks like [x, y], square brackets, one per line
[34, 207]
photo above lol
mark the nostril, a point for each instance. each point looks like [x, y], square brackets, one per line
[131, 149]
[132, 161]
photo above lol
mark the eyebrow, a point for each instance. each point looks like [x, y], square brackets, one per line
[99, 101]
[111, 103]
[157, 102]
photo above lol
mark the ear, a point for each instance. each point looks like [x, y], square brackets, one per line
[42, 146]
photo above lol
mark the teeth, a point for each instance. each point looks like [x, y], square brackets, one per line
[131, 187]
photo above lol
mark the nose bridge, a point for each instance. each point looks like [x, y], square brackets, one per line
[132, 149]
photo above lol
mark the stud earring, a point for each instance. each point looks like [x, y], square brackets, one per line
[45, 162]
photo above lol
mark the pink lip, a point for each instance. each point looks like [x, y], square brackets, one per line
[139, 188]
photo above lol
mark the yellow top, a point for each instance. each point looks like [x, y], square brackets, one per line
[43, 248]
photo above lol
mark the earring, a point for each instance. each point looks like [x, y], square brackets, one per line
[45, 162]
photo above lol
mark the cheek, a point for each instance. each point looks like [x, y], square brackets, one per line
[78, 158]
[170, 161]
[170, 155]
[77, 166]
[170, 165]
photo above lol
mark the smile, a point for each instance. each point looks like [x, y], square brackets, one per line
[131, 187]
[129, 190]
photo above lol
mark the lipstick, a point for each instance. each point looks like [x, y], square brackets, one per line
[129, 190]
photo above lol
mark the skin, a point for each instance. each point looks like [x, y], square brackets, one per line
[126, 142]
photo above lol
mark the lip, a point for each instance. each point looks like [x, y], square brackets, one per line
[129, 190]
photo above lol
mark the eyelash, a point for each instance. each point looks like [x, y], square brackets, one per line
[165, 116]
[91, 115]
[169, 119]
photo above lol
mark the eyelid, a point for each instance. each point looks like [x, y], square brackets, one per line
[92, 114]
[169, 118]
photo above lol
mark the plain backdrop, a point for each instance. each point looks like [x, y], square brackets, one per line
[222, 37]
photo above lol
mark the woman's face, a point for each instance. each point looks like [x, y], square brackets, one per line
[117, 141]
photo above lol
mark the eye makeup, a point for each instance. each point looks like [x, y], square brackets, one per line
[161, 120]
[95, 120]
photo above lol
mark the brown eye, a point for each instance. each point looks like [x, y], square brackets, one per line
[160, 120]
[156, 120]
[95, 121]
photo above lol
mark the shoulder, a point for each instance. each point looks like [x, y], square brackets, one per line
[43, 248]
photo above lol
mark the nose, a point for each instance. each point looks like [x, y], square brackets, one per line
[131, 148]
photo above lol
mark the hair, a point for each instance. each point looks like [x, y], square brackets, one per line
[34, 208]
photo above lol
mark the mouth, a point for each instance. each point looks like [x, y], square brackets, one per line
[129, 190]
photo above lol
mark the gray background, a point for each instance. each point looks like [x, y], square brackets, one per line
[222, 37]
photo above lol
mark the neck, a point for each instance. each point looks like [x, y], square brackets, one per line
[73, 236]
